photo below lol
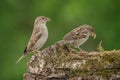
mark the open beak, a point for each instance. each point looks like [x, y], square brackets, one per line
[93, 35]
[48, 19]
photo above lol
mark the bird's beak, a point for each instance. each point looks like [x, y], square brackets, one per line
[93, 35]
[48, 19]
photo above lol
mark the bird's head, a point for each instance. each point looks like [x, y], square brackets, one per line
[41, 20]
[91, 31]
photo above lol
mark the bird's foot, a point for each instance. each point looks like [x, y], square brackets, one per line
[82, 51]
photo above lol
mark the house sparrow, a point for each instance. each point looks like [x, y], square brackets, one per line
[79, 35]
[39, 36]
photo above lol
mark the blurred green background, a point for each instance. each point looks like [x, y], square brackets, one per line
[16, 24]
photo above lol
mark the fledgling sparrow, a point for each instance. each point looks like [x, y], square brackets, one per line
[79, 35]
[39, 36]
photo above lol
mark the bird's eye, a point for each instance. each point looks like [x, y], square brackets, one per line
[43, 18]
[92, 30]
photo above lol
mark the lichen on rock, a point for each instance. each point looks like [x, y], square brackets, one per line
[60, 62]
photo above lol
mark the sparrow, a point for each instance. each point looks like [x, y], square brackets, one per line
[39, 36]
[79, 35]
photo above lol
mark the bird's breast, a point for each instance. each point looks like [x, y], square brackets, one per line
[83, 40]
[43, 38]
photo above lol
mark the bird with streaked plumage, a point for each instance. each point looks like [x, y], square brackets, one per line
[79, 35]
[39, 36]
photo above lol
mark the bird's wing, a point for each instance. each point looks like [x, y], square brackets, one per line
[36, 34]
[75, 34]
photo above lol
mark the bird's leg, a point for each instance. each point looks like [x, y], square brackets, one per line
[82, 51]
[69, 48]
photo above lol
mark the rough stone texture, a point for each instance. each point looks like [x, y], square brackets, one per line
[61, 62]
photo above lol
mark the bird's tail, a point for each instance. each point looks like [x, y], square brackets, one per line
[20, 58]
[24, 54]
[62, 42]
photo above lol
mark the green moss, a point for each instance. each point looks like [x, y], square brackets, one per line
[101, 64]
[104, 67]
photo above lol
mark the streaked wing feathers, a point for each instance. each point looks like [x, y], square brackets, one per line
[36, 34]
[76, 33]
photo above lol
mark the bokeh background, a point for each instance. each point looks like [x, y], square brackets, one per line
[16, 24]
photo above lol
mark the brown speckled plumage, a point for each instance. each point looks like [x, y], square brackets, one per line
[38, 37]
[79, 35]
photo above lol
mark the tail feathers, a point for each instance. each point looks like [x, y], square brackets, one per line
[62, 42]
[20, 58]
